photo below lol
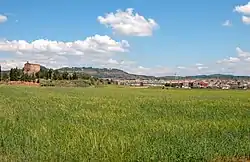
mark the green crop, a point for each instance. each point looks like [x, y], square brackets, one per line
[123, 124]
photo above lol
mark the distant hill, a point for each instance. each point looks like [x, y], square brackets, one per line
[212, 76]
[106, 73]
[220, 76]
[120, 74]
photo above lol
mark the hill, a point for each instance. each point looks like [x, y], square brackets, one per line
[120, 74]
[106, 73]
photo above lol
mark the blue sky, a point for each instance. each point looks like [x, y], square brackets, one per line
[159, 37]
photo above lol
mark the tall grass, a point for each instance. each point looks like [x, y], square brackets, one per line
[122, 124]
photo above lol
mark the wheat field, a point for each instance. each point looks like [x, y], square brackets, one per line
[123, 124]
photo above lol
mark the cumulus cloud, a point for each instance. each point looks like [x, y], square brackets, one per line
[8, 64]
[198, 64]
[242, 53]
[247, 59]
[241, 56]
[227, 23]
[229, 60]
[129, 23]
[246, 20]
[238, 65]
[202, 67]
[3, 18]
[244, 9]
[95, 44]
[181, 67]
[153, 71]
[58, 53]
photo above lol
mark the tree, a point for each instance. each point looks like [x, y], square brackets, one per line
[167, 84]
[37, 75]
[46, 75]
[56, 75]
[33, 78]
[65, 75]
[5, 77]
[85, 76]
[49, 74]
[43, 74]
[92, 81]
[13, 74]
[19, 73]
[74, 76]
[26, 78]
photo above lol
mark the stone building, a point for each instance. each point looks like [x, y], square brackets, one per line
[31, 68]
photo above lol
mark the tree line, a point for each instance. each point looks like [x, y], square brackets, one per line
[16, 74]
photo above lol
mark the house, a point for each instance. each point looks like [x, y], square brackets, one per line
[203, 84]
[31, 68]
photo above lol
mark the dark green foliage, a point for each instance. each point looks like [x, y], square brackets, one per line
[26, 78]
[15, 74]
[65, 75]
[49, 74]
[37, 75]
[56, 75]
[74, 76]
[5, 76]
[33, 78]
[167, 84]
[85, 80]
[44, 73]
[84, 76]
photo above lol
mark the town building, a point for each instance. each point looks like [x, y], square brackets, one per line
[31, 68]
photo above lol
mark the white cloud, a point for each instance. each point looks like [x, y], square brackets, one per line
[202, 67]
[234, 65]
[227, 23]
[128, 23]
[229, 60]
[3, 18]
[143, 68]
[95, 44]
[198, 64]
[244, 9]
[246, 20]
[8, 64]
[181, 67]
[247, 59]
[58, 53]
[242, 53]
[112, 61]
[152, 71]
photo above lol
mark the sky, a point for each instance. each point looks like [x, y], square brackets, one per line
[153, 37]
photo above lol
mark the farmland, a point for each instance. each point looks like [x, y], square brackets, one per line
[123, 124]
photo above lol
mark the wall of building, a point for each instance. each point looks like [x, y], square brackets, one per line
[31, 68]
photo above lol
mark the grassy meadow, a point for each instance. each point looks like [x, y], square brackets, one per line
[123, 124]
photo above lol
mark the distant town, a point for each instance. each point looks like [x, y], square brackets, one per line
[192, 83]
[119, 77]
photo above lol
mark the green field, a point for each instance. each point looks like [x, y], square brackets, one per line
[123, 124]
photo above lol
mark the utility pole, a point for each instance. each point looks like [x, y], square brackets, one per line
[175, 77]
